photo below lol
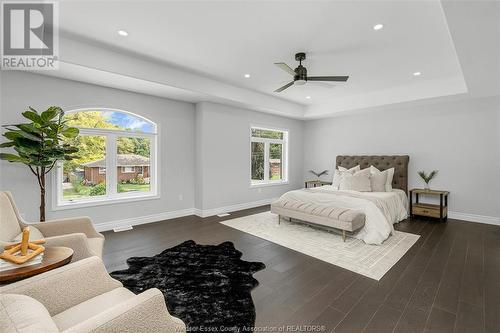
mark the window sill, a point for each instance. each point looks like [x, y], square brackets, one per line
[266, 184]
[104, 201]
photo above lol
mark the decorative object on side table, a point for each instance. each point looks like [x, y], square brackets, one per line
[39, 144]
[426, 209]
[427, 177]
[18, 253]
[319, 174]
[317, 182]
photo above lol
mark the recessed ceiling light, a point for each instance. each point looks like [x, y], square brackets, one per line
[247, 75]
[417, 74]
[122, 33]
[378, 26]
[308, 97]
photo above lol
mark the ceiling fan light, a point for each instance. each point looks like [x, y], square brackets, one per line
[299, 82]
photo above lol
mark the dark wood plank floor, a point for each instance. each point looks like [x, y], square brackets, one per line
[449, 281]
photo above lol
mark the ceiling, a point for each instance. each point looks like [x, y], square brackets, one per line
[214, 43]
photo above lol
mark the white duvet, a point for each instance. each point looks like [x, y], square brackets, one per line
[381, 209]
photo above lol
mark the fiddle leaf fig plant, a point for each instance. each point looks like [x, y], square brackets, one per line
[40, 144]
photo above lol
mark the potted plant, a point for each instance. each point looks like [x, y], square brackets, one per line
[319, 174]
[39, 144]
[427, 177]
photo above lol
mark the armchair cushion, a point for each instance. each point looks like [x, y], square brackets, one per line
[91, 308]
[145, 312]
[78, 242]
[23, 314]
[9, 225]
[68, 226]
[96, 245]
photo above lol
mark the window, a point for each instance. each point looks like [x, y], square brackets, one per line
[116, 160]
[128, 169]
[268, 157]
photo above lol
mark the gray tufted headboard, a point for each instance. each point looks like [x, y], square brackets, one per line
[381, 162]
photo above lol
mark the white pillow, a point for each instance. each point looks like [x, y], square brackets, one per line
[339, 174]
[378, 177]
[359, 181]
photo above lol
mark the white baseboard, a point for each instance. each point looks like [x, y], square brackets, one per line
[143, 219]
[105, 226]
[474, 218]
[232, 208]
[227, 209]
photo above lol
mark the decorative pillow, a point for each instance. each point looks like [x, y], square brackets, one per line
[34, 235]
[378, 179]
[381, 177]
[359, 181]
[339, 174]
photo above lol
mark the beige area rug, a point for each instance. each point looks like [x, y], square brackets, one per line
[372, 261]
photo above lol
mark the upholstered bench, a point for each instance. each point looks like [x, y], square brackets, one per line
[323, 215]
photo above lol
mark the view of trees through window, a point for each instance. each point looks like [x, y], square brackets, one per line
[257, 161]
[267, 153]
[86, 175]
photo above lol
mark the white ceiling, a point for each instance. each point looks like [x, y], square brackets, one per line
[222, 40]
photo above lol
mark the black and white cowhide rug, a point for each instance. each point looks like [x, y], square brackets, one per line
[207, 286]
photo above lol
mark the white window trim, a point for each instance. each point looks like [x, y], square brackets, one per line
[103, 172]
[267, 142]
[112, 196]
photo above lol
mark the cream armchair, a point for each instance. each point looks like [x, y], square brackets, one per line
[81, 297]
[77, 233]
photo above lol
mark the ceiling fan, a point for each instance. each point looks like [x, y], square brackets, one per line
[300, 74]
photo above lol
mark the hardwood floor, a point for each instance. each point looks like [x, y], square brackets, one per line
[449, 281]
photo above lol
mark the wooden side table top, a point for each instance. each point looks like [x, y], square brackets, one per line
[316, 183]
[53, 257]
[430, 192]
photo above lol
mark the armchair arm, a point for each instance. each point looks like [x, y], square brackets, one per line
[67, 226]
[66, 286]
[145, 312]
[78, 242]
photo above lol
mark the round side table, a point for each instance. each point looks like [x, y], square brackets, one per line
[53, 257]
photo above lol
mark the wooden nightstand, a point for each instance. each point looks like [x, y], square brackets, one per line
[316, 183]
[430, 210]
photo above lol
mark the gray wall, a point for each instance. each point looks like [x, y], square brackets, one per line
[176, 122]
[223, 155]
[460, 139]
[205, 150]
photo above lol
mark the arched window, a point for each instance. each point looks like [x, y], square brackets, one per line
[116, 159]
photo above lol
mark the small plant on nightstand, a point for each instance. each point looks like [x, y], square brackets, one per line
[427, 177]
[319, 174]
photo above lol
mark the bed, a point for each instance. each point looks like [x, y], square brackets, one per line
[368, 216]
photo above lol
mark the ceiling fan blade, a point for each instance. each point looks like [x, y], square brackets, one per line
[328, 78]
[284, 87]
[323, 84]
[285, 67]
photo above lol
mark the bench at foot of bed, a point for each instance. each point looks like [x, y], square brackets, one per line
[347, 220]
